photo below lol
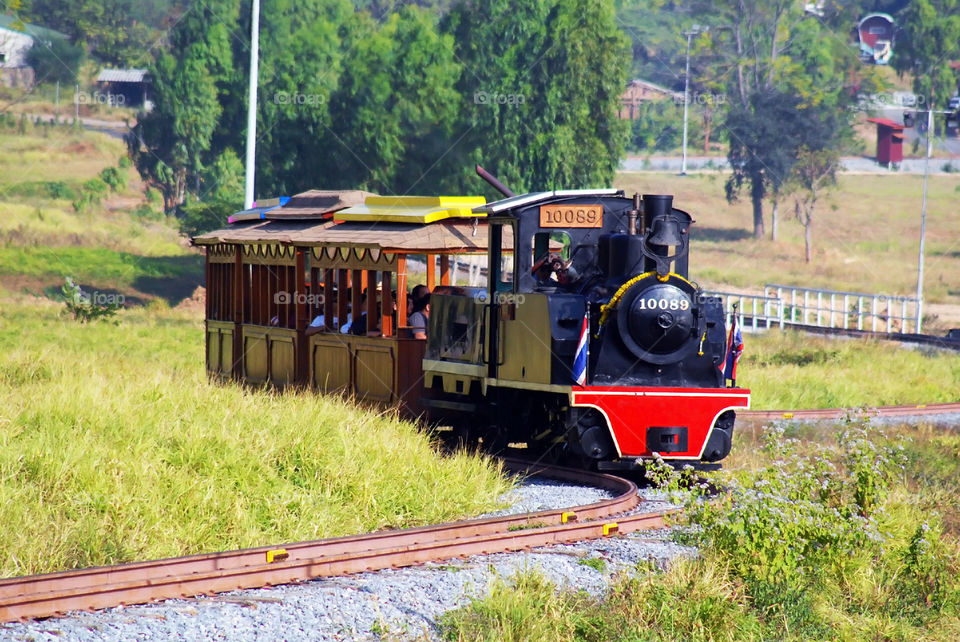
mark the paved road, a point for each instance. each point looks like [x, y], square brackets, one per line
[116, 129]
[853, 164]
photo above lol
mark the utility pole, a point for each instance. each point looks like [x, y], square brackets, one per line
[696, 29]
[252, 105]
[923, 217]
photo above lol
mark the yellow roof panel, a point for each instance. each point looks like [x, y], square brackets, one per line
[412, 209]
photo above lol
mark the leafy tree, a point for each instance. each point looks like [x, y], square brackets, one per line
[542, 81]
[170, 144]
[658, 126]
[396, 107]
[784, 67]
[116, 30]
[302, 45]
[55, 60]
[928, 41]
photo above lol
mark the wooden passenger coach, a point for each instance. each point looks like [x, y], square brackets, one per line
[338, 255]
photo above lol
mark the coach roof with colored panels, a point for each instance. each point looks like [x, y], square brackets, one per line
[448, 236]
[525, 200]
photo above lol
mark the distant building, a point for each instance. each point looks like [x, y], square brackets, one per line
[125, 87]
[641, 91]
[16, 39]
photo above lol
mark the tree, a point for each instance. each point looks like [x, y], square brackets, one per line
[814, 172]
[55, 60]
[542, 81]
[928, 41]
[170, 144]
[787, 73]
[396, 107]
[115, 30]
[302, 48]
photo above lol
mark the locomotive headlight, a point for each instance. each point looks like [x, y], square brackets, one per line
[658, 321]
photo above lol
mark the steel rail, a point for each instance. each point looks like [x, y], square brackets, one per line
[837, 413]
[55, 593]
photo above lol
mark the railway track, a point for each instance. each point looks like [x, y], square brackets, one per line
[38, 596]
[837, 413]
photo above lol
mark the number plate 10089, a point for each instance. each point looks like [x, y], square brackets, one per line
[571, 216]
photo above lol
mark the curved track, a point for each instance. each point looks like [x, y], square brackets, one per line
[55, 593]
[838, 413]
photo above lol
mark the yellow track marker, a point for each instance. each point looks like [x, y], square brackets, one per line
[568, 517]
[612, 527]
[277, 555]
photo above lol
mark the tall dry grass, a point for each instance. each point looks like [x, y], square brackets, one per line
[115, 447]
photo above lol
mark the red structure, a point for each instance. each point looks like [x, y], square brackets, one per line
[889, 140]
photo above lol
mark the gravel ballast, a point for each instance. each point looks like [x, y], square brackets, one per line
[401, 603]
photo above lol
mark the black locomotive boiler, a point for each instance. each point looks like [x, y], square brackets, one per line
[589, 338]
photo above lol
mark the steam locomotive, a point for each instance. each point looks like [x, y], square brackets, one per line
[589, 342]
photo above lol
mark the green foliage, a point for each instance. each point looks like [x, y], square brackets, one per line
[55, 60]
[544, 79]
[169, 145]
[41, 189]
[115, 30]
[928, 38]
[596, 563]
[83, 308]
[658, 127]
[397, 105]
[113, 178]
[92, 193]
[204, 216]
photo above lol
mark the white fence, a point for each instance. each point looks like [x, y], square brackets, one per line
[782, 305]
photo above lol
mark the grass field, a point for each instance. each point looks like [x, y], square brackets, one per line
[123, 245]
[114, 447]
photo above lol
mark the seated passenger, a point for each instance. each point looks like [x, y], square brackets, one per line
[419, 318]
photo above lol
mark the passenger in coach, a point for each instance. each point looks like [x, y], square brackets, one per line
[419, 318]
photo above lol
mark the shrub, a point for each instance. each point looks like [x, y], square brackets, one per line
[113, 178]
[82, 308]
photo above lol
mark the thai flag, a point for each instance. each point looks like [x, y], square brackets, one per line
[734, 350]
[583, 353]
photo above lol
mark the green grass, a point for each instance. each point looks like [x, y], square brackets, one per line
[120, 245]
[115, 447]
[787, 370]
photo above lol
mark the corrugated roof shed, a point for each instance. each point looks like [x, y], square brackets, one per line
[122, 75]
